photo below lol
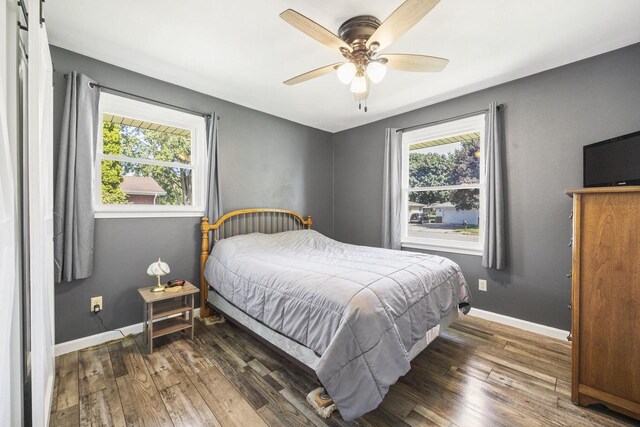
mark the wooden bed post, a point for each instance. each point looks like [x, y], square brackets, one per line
[309, 222]
[205, 311]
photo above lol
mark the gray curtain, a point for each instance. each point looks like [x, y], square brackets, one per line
[494, 244]
[391, 195]
[214, 202]
[73, 198]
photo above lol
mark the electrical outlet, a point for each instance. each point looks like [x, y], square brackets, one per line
[482, 285]
[96, 301]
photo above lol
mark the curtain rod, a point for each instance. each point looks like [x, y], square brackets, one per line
[450, 119]
[155, 101]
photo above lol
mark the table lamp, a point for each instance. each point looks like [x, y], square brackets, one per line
[158, 269]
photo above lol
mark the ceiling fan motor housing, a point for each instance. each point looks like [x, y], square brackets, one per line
[357, 30]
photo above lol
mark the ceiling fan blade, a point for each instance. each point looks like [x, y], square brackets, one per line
[400, 21]
[313, 29]
[312, 74]
[418, 63]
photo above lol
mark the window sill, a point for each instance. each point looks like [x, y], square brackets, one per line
[442, 248]
[156, 214]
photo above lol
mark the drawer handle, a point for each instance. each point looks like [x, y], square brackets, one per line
[571, 242]
[570, 306]
[570, 337]
[571, 215]
[569, 275]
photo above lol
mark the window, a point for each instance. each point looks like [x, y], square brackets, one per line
[150, 160]
[443, 186]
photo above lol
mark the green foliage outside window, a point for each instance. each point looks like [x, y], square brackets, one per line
[149, 144]
[461, 166]
[135, 142]
[111, 170]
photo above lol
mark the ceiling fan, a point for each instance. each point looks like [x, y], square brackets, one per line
[360, 41]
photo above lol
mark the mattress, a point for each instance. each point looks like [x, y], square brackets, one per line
[359, 310]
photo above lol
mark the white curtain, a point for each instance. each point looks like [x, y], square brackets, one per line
[494, 240]
[392, 194]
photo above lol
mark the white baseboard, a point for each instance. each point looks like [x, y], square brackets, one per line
[101, 338]
[521, 324]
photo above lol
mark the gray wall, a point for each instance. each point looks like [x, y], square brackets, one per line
[265, 161]
[548, 117]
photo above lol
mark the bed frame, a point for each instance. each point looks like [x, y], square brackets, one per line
[268, 221]
[243, 221]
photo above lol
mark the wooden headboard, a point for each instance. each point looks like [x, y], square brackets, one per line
[244, 221]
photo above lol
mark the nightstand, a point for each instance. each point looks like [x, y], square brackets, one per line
[174, 307]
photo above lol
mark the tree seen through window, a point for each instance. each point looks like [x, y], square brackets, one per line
[433, 169]
[174, 183]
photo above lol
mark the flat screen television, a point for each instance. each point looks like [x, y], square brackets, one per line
[613, 162]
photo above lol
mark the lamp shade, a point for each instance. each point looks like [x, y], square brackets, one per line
[346, 72]
[158, 268]
[362, 96]
[376, 71]
[359, 84]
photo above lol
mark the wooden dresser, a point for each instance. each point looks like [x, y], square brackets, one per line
[606, 298]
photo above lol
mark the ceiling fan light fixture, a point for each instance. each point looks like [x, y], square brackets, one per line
[359, 84]
[360, 40]
[346, 72]
[362, 96]
[376, 71]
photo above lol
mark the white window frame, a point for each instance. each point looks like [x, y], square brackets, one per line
[443, 130]
[126, 107]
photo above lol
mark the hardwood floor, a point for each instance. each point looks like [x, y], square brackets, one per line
[477, 373]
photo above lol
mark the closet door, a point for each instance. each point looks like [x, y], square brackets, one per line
[10, 227]
[40, 198]
[9, 303]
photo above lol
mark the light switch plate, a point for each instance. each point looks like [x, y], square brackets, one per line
[482, 285]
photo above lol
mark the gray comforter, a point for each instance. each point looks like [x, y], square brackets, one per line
[360, 308]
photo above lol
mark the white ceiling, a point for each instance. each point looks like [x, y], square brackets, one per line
[241, 51]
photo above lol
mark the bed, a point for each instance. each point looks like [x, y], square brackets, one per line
[355, 315]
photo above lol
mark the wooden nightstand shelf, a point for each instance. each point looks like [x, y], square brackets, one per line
[175, 308]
